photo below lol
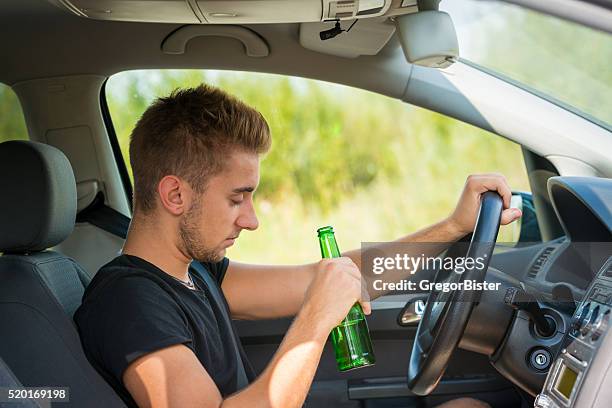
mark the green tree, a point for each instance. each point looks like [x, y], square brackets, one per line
[322, 151]
[12, 124]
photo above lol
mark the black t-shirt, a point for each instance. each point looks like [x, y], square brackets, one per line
[132, 308]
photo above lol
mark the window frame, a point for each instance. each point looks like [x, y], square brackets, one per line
[114, 142]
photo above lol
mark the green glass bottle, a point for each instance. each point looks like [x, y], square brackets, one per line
[351, 338]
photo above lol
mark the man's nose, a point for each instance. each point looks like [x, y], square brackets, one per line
[248, 220]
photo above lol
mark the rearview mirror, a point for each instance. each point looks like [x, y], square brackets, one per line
[428, 38]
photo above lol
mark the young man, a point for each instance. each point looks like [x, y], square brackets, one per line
[145, 323]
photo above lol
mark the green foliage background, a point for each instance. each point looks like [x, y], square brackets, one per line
[562, 59]
[12, 124]
[580, 76]
[371, 166]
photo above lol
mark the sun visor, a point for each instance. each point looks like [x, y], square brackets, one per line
[150, 11]
[260, 11]
[227, 11]
[428, 38]
[366, 37]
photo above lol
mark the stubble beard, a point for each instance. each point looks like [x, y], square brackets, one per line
[191, 240]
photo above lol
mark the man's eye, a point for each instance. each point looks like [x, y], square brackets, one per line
[236, 199]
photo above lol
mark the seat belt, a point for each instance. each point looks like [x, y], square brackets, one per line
[110, 220]
[104, 217]
[215, 292]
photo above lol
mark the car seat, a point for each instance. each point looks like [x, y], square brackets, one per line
[40, 289]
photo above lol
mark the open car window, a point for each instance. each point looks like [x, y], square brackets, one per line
[564, 61]
[12, 124]
[373, 167]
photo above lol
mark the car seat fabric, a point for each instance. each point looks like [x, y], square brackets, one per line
[41, 289]
[9, 382]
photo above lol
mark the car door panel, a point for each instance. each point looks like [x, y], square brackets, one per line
[384, 384]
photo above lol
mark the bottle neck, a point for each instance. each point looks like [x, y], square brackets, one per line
[329, 247]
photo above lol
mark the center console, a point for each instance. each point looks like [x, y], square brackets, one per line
[581, 345]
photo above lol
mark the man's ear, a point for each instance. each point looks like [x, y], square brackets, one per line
[173, 194]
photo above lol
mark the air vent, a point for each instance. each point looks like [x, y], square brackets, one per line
[540, 261]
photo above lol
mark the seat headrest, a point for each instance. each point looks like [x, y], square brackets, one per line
[38, 196]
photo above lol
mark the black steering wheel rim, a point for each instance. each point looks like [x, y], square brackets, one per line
[446, 314]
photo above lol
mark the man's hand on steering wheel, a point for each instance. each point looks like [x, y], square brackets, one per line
[463, 218]
[484, 205]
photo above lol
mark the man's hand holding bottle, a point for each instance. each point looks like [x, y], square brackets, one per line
[336, 287]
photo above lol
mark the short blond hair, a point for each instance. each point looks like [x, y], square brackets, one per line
[190, 134]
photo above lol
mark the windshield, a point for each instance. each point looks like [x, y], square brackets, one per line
[564, 61]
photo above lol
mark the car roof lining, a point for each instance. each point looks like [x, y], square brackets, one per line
[85, 46]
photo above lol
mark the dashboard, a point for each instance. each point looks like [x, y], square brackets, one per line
[584, 208]
[567, 381]
[570, 282]
[571, 277]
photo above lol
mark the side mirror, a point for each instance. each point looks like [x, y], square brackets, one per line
[524, 230]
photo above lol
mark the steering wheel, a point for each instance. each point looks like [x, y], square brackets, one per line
[446, 314]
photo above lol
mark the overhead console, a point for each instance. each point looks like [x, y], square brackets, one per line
[234, 11]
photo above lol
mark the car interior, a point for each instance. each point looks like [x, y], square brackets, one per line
[66, 195]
